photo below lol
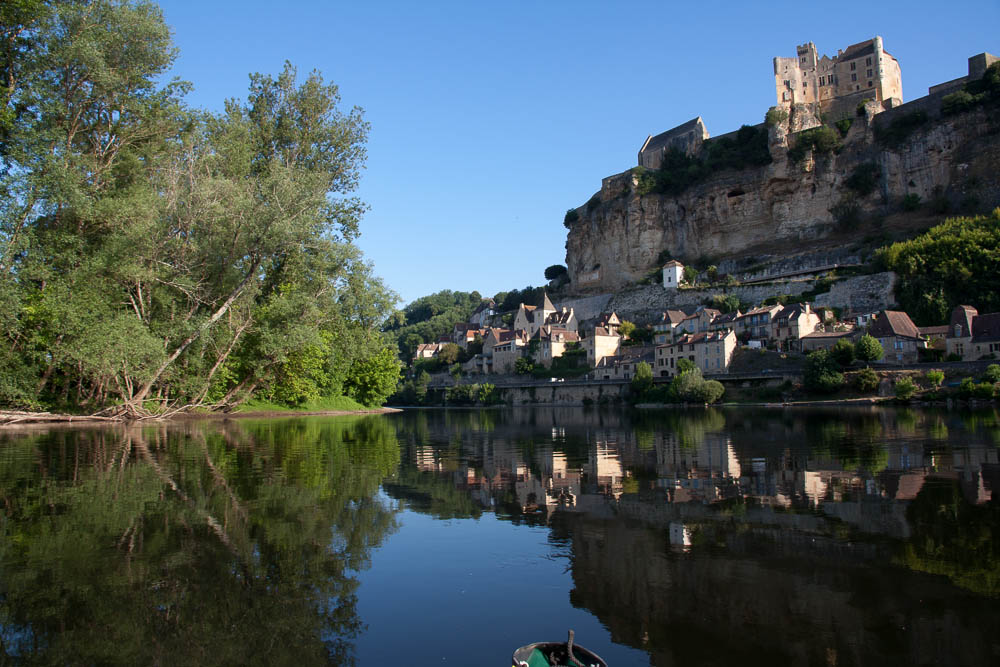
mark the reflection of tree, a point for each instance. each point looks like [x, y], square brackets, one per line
[954, 538]
[429, 493]
[226, 543]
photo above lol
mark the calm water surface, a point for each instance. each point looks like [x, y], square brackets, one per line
[841, 537]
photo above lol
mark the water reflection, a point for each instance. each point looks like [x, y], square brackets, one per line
[769, 537]
[224, 543]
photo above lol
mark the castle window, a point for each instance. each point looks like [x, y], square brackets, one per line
[854, 77]
[868, 61]
[869, 84]
[869, 74]
[822, 81]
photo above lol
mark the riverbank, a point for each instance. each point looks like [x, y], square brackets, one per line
[9, 418]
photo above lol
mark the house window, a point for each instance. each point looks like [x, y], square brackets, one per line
[869, 74]
[854, 77]
[853, 66]
[868, 61]
[822, 80]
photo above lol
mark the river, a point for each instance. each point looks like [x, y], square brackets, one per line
[840, 537]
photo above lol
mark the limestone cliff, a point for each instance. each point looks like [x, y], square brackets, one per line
[620, 237]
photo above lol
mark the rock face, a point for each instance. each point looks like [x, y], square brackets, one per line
[620, 236]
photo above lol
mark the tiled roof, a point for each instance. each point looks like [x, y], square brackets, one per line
[546, 303]
[827, 334]
[962, 316]
[893, 323]
[671, 263]
[986, 327]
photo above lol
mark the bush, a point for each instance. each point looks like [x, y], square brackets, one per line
[642, 381]
[966, 388]
[819, 140]
[911, 202]
[934, 378]
[905, 389]
[866, 381]
[774, 116]
[523, 366]
[571, 217]
[868, 349]
[992, 373]
[843, 352]
[709, 391]
[844, 125]
[864, 179]
[821, 373]
[984, 390]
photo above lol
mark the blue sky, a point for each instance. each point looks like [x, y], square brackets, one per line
[490, 119]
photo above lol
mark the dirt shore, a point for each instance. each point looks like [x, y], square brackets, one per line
[13, 418]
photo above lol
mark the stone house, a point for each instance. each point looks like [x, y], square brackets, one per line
[551, 343]
[755, 324]
[663, 330]
[898, 335]
[686, 138]
[699, 321]
[503, 347]
[533, 318]
[673, 274]
[427, 350]
[622, 366]
[601, 343]
[483, 314]
[935, 336]
[711, 351]
[725, 322]
[791, 323]
[824, 340]
[608, 321]
[564, 318]
[973, 336]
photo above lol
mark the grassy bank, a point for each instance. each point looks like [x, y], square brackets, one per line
[331, 404]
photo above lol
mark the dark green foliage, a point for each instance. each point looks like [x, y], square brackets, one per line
[642, 381]
[992, 373]
[821, 140]
[911, 202]
[690, 387]
[984, 90]
[899, 130]
[866, 380]
[726, 303]
[529, 296]
[844, 125]
[954, 262]
[821, 373]
[905, 388]
[934, 378]
[679, 171]
[555, 271]
[775, 116]
[868, 349]
[864, 179]
[523, 366]
[843, 352]
[571, 217]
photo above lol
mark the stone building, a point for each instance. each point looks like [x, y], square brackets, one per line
[551, 343]
[601, 343]
[898, 335]
[673, 274]
[685, 138]
[712, 352]
[973, 336]
[861, 71]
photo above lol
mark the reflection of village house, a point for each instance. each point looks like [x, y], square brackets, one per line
[712, 352]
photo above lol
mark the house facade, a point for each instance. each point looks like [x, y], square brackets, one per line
[600, 344]
[663, 329]
[711, 351]
[898, 335]
[973, 336]
[551, 343]
[791, 323]
[673, 274]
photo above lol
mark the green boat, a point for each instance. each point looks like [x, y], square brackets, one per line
[553, 654]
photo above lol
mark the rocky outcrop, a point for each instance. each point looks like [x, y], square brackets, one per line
[620, 236]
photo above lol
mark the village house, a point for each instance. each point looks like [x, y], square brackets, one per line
[427, 351]
[711, 351]
[791, 323]
[973, 336]
[935, 336]
[622, 366]
[601, 343]
[503, 347]
[698, 321]
[824, 340]
[755, 324]
[663, 330]
[533, 318]
[482, 316]
[898, 335]
[551, 343]
[724, 322]
[608, 321]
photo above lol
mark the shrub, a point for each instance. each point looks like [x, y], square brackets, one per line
[843, 352]
[642, 381]
[984, 390]
[523, 366]
[867, 380]
[710, 391]
[571, 217]
[911, 202]
[819, 140]
[934, 378]
[905, 389]
[821, 373]
[774, 116]
[844, 125]
[868, 349]
[966, 388]
[864, 179]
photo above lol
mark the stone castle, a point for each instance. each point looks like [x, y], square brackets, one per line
[862, 71]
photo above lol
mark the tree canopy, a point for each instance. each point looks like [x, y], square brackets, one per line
[153, 256]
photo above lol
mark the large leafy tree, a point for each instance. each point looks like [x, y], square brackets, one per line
[153, 257]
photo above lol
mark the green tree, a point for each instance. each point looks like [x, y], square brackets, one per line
[934, 378]
[642, 381]
[555, 271]
[992, 373]
[868, 349]
[690, 275]
[626, 328]
[843, 352]
[905, 388]
[867, 380]
[524, 366]
[821, 374]
[449, 353]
